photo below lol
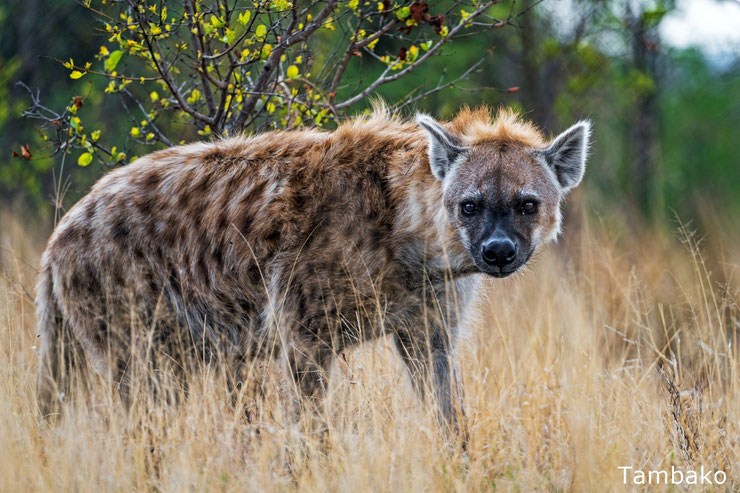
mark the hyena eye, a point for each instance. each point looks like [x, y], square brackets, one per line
[529, 206]
[469, 208]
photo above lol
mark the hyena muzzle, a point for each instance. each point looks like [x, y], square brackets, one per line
[301, 245]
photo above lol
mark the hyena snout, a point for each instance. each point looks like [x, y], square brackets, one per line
[499, 251]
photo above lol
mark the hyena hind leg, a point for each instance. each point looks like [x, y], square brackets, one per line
[62, 368]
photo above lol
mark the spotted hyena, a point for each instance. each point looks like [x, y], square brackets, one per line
[303, 244]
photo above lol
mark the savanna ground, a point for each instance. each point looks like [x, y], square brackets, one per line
[617, 347]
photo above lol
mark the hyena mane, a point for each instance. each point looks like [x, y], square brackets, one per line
[300, 245]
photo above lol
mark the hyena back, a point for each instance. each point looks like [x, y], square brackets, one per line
[303, 244]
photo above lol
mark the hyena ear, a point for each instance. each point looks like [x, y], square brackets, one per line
[567, 154]
[444, 147]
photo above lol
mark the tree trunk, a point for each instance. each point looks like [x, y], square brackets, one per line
[644, 132]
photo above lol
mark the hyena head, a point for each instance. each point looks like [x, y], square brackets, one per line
[503, 184]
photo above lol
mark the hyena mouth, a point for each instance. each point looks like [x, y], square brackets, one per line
[497, 272]
[506, 271]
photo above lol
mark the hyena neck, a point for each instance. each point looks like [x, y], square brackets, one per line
[422, 224]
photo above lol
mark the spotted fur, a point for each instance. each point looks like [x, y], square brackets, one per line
[295, 244]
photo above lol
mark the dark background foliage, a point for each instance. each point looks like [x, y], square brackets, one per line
[666, 119]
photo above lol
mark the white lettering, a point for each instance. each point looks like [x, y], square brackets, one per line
[673, 476]
[690, 477]
[677, 476]
[624, 472]
[724, 477]
[705, 477]
[639, 477]
[657, 475]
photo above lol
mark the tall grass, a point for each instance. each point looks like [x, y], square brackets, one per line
[614, 348]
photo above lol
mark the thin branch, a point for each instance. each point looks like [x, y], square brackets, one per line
[275, 56]
[440, 87]
[164, 70]
[348, 56]
[162, 137]
[103, 74]
[384, 79]
[200, 48]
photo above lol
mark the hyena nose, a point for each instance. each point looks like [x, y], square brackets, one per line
[499, 251]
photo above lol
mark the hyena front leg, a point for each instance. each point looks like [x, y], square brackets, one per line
[305, 359]
[429, 359]
[309, 369]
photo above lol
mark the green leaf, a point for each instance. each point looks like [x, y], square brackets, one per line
[112, 61]
[402, 13]
[652, 17]
[244, 18]
[230, 36]
[194, 96]
[261, 31]
[85, 159]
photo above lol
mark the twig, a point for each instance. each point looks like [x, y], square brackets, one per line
[384, 79]
[440, 87]
[275, 56]
[348, 56]
[162, 137]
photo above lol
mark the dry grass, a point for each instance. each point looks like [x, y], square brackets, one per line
[614, 349]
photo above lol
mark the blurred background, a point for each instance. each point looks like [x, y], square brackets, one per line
[658, 78]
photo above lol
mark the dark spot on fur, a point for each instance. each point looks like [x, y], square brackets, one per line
[273, 237]
[377, 238]
[253, 274]
[120, 230]
[90, 208]
[218, 256]
[93, 280]
[174, 281]
[214, 156]
[67, 236]
[76, 280]
[150, 180]
[151, 284]
[202, 271]
[117, 276]
[169, 234]
[223, 221]
[244, 305]
[145, 204]
[100, 332]
[201, 185]
[246, 225]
